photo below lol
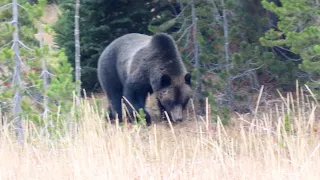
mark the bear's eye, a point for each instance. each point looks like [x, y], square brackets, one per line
[165, 81]
[187, 78]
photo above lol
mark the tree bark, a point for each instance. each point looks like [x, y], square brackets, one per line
[226, 52]
[196, 56]
[77, 49]
[16, 82]
[45, 77]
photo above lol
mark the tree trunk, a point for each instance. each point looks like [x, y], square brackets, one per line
[16, 82]
[229, 93]
[45, 76]
[77, 50]
[196, 56]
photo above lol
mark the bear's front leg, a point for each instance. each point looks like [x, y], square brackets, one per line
[137, 97]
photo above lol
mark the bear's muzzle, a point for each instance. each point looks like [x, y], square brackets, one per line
[176, 113]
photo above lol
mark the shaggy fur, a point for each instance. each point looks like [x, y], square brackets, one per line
[135, 65]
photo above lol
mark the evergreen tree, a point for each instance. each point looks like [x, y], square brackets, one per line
[230, 56]
[297, 32]
[100, 23]
[33, 72]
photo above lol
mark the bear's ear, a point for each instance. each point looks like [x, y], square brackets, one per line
[187, 78]
[165, 81]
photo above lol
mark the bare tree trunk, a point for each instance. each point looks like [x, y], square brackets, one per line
[226, 51]
[45, 77]
[196, 55]
[16, 83]
[215, 12]
[77, 49]
[194, 38]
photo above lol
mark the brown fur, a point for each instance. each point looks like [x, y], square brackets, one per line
[135, 65]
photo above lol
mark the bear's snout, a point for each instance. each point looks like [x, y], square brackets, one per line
[176, 113]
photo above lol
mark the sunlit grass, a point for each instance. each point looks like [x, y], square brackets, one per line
[282, 143]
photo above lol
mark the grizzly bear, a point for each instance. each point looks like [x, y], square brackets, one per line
[135, 65]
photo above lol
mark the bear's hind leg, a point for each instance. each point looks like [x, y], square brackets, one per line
[115, 108]
[113, 89]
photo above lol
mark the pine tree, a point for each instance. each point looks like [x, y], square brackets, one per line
[297, 33]
[230, 55]
[100, 23]
[46, 82]
[18, 51]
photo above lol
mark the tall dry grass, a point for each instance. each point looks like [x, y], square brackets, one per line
[282, 143]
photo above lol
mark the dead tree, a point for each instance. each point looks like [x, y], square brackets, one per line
[229, 93]
[16, 82]
[77, 49]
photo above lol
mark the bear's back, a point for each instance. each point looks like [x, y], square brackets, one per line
[125, 47]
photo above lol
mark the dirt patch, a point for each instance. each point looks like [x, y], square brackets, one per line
[51, 13]
[50, 16]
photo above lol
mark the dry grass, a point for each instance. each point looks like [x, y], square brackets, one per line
[256, 147]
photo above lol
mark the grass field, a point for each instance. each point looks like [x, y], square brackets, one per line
[282, 143]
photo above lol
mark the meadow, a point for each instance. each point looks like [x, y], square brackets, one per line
[278, 142]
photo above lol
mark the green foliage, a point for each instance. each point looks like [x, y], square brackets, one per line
[59, 86]
[287, 124]
[141, 117]
[100, 23]
[246, 56]
[248, 60]
[290, 48]
[298, 30]
[216, 110]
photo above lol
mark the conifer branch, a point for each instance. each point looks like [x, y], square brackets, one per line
[24, 46]
[245, 73]
[186, 30]
[7, 6]
[6, 45]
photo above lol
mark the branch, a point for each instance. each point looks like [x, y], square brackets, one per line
[244, 73]
[22, 64]
[215, 12]
[47, 72]
[25, 46]
[285, 49]
[5, 6]
[6, 80]
[35, 99]
[184, 33]
[22, 7]
[6, 45]
[182, 14]
[283, 54]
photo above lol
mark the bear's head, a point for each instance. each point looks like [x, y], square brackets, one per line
[174, 95]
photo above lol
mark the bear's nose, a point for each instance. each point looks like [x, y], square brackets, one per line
[176, 114]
